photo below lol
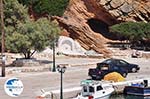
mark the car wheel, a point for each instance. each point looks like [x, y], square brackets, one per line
[124, 74]
[134, 70]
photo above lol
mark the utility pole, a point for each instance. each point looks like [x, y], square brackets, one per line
[2, 38]
[54, 68]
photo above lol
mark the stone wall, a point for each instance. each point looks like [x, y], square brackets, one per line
[20, 62]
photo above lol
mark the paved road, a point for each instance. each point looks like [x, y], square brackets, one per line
[34, 82]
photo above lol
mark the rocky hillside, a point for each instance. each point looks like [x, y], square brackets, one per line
[87, 21]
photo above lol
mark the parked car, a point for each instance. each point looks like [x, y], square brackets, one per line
[103, 69]
[122, 64]
[112, 65]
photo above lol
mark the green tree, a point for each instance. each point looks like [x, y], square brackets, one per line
[132, 31]
[24, 35]
[51, 7]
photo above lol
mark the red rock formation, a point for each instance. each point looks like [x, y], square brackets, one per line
[107, 13]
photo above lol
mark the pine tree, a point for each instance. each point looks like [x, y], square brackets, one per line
[24, 35]
[51, 7]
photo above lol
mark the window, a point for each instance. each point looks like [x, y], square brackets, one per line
[99, 88]
[91, 89]
[121, 62]
[84, 88]
[104, 67]
[108, 61]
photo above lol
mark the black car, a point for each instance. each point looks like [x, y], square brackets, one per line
[103, 69]
[112, 65]
[122, 64]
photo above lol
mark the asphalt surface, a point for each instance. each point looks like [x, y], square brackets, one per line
[35, 81]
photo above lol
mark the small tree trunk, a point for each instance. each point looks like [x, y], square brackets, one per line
[28, 55]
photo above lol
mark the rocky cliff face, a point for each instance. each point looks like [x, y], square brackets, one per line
[87, 21]
[128, 10]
